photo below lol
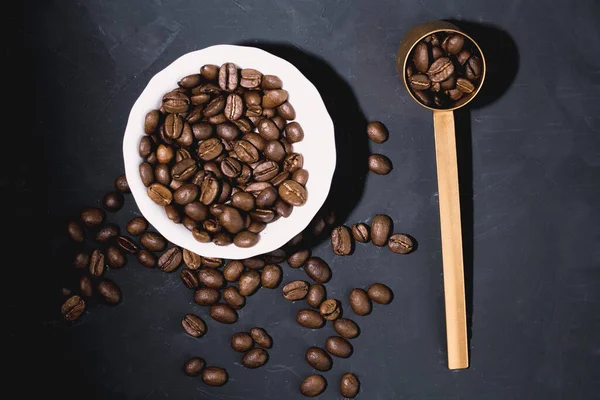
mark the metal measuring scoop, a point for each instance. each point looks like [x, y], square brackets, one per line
[447, 172]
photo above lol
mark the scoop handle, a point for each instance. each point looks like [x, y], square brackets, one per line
[452, 250]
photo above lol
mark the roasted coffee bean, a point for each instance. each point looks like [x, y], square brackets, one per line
[110, 292]
[338, 346]
[186, 138]
[196, 211]
[296, 240]
[293, 162]
[316, 295]
[423, 97]
[441, 69]
[212, 278]
[317, 270]
[215, 107]
[160, 194]
[437, 52]
[255, 358]
[349, 385]
[92, 217]
[261, 338]
[448, 84]
[436, 87]
[202, 130]
[256, 140]
[212, 262]
[214, 376]
[463, 56]
[265, 171]
[199, 99]
[293, 193]
[85, 286]
[341, 241]
[81, 260]
[201, 235]
[242, 200]
[233, 298]
[360, 302]
[175, 102]
[346, 328]
[75, 231]
[228, 77]
[254, 111]
[165, 154]
[310, 319]
[234, 107]
[162, 174]
[254, 263]
[189, 223]
[126, 244]
[173, 128]
[241, 342]
[274, 98]
[295, 290]
[206, 296]
[267, 129]
[115, 257]
[380, 164]
[151, 159]
[453, 44]
[286, 110]
[72, 308]
[313, 385]
[145, 146]
[262, 215]
[173, 213]
[191, 259]
[146, 173]
[360, 232]
[377, 132]
[297, 259]
[275, 257]
[223, 313]
[271, 276]
[294, 132]
[193, 325]
[380, 293]
[245, 239]
[233, 270]
[184, 169]
[190, 81]
[210, 72]
[330, 309]
[113, 201]
[231, 219]
[245, 151]
[151, 122]
[401, 244]
[256, 188]
[189, 279]
[97, 263]
[283, 209]
[187, 193]
[381, 227]
[146, 258]
[153, 241]
[194, 366]
[319, 359]
[121, 184]
[270, 82]
[170, 260]
[454, 94]
[421, 57]
[249, 282]
[419, 82]
[210, 149]
[273, 150]
[464, 85]
[250, 78]
[209, 190]
[279, 121]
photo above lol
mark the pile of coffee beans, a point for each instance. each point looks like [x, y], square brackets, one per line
[244, 342]
[445, 70]
[219, 154]
[380, 234]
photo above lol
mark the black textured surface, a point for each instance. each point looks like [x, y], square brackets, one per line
[530, 180]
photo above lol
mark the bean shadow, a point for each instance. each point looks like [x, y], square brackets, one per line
[502, 63]
[352, 146]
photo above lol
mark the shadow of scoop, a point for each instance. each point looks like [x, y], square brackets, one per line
[350, 133]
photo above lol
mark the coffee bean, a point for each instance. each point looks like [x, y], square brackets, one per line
[381, 227]
[165, 154]
[271, 276]
[81, 260]
[274, 98]
[453, 44]
[250, 78]
[107, 233]
[121, 184]
[110, 292]
[317, 270]
[160, 194]
[146, 258]
[137, 226]
[92, 217]
[189, 279]
[360, 302]
[85, 286]
[275, 257]
[338, 346]
[233, 298]
[209, 72]
[223, 313]
[360, 232]
[249, 282]
[191, 259]
[261, 338]
[318, 358]
[126, 244]
[255, 358]
[346, 328]
[316, 295]
[145, 147]
[187, 193]
[214, 376]
[245, 239]
[330, 309]
[293, 193]
[97, 263]
[464, 85]
[293, 162]
[170, 260]
[297, 259]
[295, 290]
[115, 257]
[380, 164]
[380, 293]
[265, 171]
[175, 102]
[313, 385]
[341, 241]
[151, 122]
[419, 82]
[228, 77]
[72, 308]
[349, 385]
[193, 325]
[75, 231]
[423, 97]
[421, 57]
[441, 69]
[211, 278]
[201, 235]
[310, 319]
[377, 132]
[437, 52]
[300, 176]
[294, 132]
[194, 366]
[234, 107]
[241, 342]
[172, 129]
[212, 262]
[206, 296]
[231, 219]
[233, 270]
[184, 169]
[454, 94]
[146, 173]
[153, 241]
[400, 243]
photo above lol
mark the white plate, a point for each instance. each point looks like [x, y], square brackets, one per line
[318, 146]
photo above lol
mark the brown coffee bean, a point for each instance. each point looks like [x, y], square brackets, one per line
[380, 164]
[245, 151]
[194, 366]
[464, 85]
[191, 259]
[265, 171]
[381, 227]
[360, 302]
[72, 308]
[300, 176]
[313, 385]
[250, 78]
[293, 162]
[295, 290]
[437, 52]
[81, 260]
[137, 226]
[190, 81]
[209, 190]
[145, 146]
[261, 338]
[271, 276]
[297, 259]
[233, 270]
[318, 358]
[210, 72]
[317, 270]
[146, 258]
[249, 282]
[316, 295]
[286, 110]
[293, 193]
[338, 346]
[189, 279]
[360, 232]
[75, 231]
[212, 262]
[146, 173]
[228, 77]
[401, 244]
[231, 219]
[92, 217]
[110, 292]
[380, 293]
[234, 107]
[245, 239]
[85, 286]
[153, 241]
[349, 385]
[255, 358]
[201, 235]
[206, 296]
[151, 122]
[419, 82]
[97, 263]
[283, 209]
[115, 257]
[210, 149]
[377, 132]
[214, 376]
[310, 319]
[175, 102]
[187, 193]
[453, 44]
[223, 313]
[267, 129]
[274, 98]
[165, 154]
[441, 69]
[294, 132]
[241, 342]
[346, 328]
[462, 57]
[170, 260]
[193, 325]
[127, 245]
[196, 211]
[423, 97]
[341, 241]
[233, 298]
[211, 278]
[160, 194]
[421, 57]
[121, 184]
[330, 309]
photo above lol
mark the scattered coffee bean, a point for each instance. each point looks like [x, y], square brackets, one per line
[316, 295]
[330, 309]
[400, 243]
[381, 227]
[233, 270]
[97, 263]
[127, 244]
[275, 257]
[153, 241]
[75, 231]
[380, 164]
[310, 319]
[122, 185]
[81, 260]
[346, 328]
[170, 260]
[377, 132]
[242, 342]
[295, 290]
[261, 338]
[313, 385]
[193, 325]
[115, 257]
[338, 346]
[233, 298]
[146, 258]
[319, 359]
[360, 302]
[271, 276]
[249, 282]
[297, 259]
[255, 358]
[380, 293]
[223, 313]
[110, 292]
[212, 262]
[85, 286]
[211, 278]
[206, 296]
[341, 241]
[113, 201]
[214, 376]
[360, 232]
[106, 233]
[194, 366]
[349, 385]
[189, 279]
[191, 259]
[317, 270]
[92, 217]
[72, 308]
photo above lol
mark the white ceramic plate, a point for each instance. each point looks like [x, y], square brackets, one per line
[318, 146]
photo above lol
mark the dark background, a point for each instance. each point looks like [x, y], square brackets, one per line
[529, 154]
